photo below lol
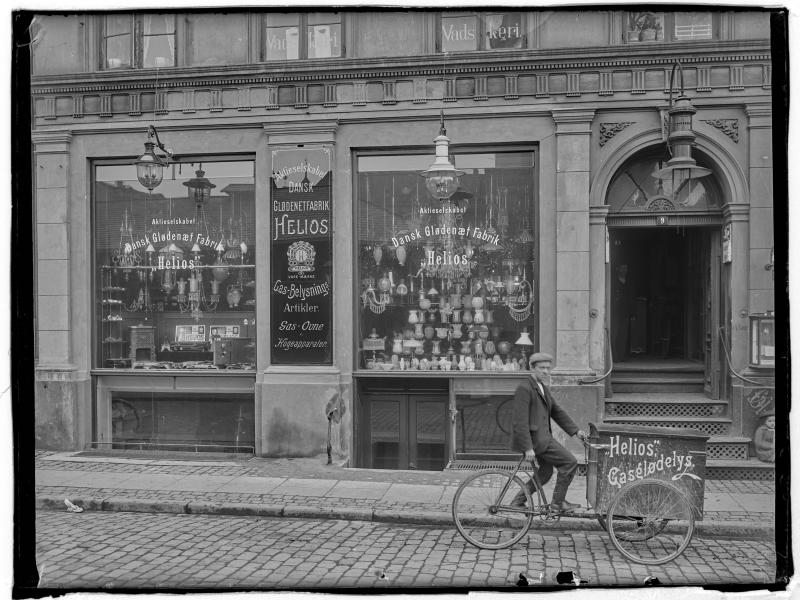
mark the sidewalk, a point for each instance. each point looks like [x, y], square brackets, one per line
[308, 488]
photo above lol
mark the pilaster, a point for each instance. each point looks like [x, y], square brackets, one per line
[737, 216]
[573, 245]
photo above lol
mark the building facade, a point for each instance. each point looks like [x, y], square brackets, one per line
[290, 283]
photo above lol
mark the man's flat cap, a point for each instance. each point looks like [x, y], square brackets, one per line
[538, 357]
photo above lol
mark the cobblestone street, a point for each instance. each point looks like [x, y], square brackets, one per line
[127, 550]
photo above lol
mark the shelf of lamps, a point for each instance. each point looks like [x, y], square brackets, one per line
[154, 267]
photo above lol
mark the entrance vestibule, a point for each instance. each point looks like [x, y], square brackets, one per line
[660, 294]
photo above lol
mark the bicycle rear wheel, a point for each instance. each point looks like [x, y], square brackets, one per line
[483, 513]
[650, 522]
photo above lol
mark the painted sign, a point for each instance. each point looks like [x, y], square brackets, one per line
[667, 455]
[301, 216]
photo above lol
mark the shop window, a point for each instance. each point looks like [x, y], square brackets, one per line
[175, 279]
[649, 26]
[464, 31]
[302, 35]
[182, 422]
[138, 41]
[446, 286]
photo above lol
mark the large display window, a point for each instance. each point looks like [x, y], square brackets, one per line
[446, 286]
[175, 269]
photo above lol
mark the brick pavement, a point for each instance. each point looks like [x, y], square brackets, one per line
[127, 550]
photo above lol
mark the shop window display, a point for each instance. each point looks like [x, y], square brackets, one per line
[451, 285]
[174, 271]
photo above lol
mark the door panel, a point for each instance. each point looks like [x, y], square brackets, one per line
[428, 420]
[387, 447]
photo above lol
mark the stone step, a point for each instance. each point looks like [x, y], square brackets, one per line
[677, 384]
[713, 426]
[750, 470]
[725, 447]
[664, 404]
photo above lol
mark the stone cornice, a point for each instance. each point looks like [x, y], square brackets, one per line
[288, 132]
[532, 61]
[51, 141]
[736, 212]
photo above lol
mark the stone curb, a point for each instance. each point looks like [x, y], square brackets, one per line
[377, 515]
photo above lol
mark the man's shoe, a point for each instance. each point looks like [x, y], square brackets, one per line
[564, 506]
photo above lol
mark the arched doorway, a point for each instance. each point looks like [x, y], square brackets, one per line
[664, 281]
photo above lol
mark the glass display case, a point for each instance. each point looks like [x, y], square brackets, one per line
[175, 270]
[762, 340]
[450, 285]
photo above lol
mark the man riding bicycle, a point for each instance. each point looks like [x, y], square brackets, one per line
[532, 408]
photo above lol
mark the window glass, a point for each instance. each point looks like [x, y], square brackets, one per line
[282, 37]
[175, 278]
[217, 39]
[459, 32]
[324, 35]
[693, 26]
[446, 285]
[182, 422]
[158, 41]
[502, 30]
[118, 42]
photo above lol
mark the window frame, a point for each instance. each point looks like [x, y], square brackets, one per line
[668, 26]
[455, 151]
[96, 282]
[136, 42]
[302, 43]
[480, 30]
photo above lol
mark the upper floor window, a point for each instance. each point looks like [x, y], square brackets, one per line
[649, 26]
[307, 35]
[463, 31]
[138, 41]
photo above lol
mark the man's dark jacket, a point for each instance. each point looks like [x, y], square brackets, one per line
[531, 414]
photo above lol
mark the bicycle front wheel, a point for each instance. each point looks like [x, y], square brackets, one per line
[650, 522]
[483, 513]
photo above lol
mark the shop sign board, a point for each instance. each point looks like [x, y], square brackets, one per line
[301, 211]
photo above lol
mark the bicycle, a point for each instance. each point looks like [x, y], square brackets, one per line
[650, 521]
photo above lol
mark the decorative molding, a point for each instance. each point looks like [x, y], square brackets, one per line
[736, 78]
[289, 132]
[347, 69]
[542, 86]
[703, 79]
[481, 88]
[50, 142]
[511, 92]
[675, 219]
[134, 104]
[272, 98]
[766, 77]
[216, 100]
[638, 81]
[359, 93]
[389, 92]
[77, 106]
[188, 102]
[573, 84]
[243, 100]
[606, 83]
[729, 127]
[420, 91]
[609, 130]
[105, 106]
[450, 90]
[330, 95]
[162, 106]
[50, 107]
[301, 96]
